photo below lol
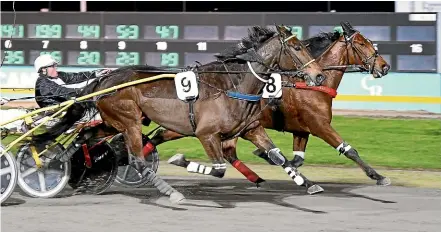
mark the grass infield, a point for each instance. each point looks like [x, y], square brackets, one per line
[388, 143]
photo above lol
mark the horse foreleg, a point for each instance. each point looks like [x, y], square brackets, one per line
[261, 140]
[299, 142]
[329, 135]
[229, 152]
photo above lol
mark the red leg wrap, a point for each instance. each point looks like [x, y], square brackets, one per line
[247, 172]
[148, 148]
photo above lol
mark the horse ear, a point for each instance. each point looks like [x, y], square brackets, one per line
[283, 30]
[347, 28]
[278, 28]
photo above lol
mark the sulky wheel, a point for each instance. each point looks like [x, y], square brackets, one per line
[46, 181]
[95, 171]
[128, 175]
[8, 175]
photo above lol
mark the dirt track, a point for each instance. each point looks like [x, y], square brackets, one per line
[226, 205]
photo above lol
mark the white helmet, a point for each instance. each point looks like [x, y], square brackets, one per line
[44, 61]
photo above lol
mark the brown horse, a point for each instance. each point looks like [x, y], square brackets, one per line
[226, 104]
[303, 112]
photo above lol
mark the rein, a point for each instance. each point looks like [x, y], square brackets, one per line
[302, 85]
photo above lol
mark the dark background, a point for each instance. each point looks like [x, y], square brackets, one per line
[227, 6]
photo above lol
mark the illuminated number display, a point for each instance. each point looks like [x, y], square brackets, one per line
[121, 31]
[162, 59]
[161, 32]
[84, 58]
[122, 58]
[45, 31]
[170, 59]
[14, 57]
[8, 30]
[57, 55]
[167, 32]
[84, 31]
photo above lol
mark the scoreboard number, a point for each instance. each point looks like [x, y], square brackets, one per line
[8, 44]
[416, 48]
[45, 43]
[121, 45]
[202, 46]
[83, 44]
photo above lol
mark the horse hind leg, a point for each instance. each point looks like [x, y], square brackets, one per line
[229, 153]
[129, 123]
[164, 135]
[300, 140]
[134, 144]
[213, 147]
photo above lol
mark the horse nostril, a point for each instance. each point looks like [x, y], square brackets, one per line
[386, 68]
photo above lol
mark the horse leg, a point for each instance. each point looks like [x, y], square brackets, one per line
[162, 136]
[212, 146]
[261, 140]
[299, 141]
[229, 152]
[128, 121]
[329, 135]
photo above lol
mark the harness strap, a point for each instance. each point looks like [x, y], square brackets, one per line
[242, 96]
[302, 85]
[191, 113]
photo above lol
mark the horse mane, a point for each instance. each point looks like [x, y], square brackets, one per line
[256, 36]
[318, 44]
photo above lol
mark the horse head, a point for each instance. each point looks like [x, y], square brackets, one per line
[295, 54]
[362, 52]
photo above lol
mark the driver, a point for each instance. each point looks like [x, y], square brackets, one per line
[49, 89]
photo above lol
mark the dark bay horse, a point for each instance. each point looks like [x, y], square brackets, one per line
[226, 104]
[303, 112]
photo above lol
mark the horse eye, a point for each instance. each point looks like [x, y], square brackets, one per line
[297, 48]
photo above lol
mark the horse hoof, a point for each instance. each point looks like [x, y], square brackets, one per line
[177, 198]
[315, 189]
[385, 181]
[178, 160]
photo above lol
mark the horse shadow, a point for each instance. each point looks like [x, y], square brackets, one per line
[12, 201]
[226, 194]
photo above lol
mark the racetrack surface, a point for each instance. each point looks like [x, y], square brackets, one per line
[230, 205]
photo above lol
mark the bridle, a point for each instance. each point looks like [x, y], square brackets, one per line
[297, 71]
[366, 64]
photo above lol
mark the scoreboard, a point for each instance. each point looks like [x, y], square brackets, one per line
[111, 39]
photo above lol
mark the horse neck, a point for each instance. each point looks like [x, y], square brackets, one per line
[250, 83]
[335, 55]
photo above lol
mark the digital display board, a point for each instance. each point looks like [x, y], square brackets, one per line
[179, 39]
